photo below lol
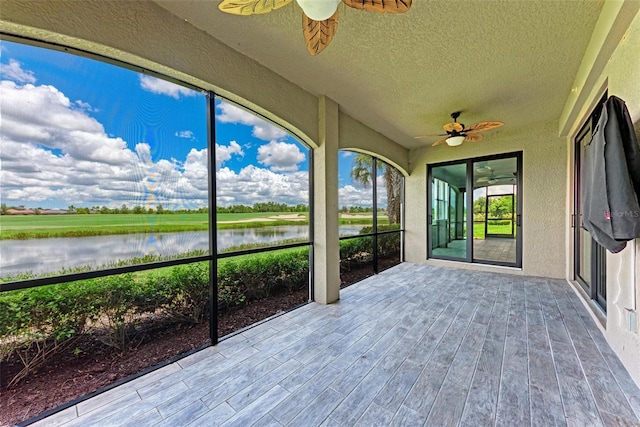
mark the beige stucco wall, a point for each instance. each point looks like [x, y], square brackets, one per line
[358, 137]
[621, 77]
[543, 193]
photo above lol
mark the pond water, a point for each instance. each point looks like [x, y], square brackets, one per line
[51, 255]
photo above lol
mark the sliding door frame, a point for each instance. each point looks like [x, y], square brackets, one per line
[469, 204]
[595, 286]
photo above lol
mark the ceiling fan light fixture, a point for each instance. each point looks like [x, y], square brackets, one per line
[454, 141]
[319, 10]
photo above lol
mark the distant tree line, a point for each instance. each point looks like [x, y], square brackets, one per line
[160, 210]
[263, 207]
[359, 209]
[138, 210]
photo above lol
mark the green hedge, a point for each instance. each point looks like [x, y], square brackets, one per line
[359, 250]
[251, 277]
[499, 222]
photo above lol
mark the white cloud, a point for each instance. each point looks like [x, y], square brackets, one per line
[261, 128]
[280, 156]
[224, 153]
[253, 184]
[85, 106]
[54, 154]
[186, 134]
[43, 115]
[13, 71]
[163, 87]
[352, 196]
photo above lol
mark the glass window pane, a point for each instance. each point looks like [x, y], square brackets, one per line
[256, 286]
[389, 250]
[355, 194]
[356, 260]
[448, 231]
[262, 182]
[262, 186]
[101, 166]
[494, 210]
[389, 185]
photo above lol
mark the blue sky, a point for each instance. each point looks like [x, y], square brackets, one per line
[81, 132]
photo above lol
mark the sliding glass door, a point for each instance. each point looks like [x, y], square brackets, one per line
[475, 210]
[448, 211]
[589, 256]
[495, 210]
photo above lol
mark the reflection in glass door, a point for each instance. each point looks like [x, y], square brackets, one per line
[447, 233]
[495, 210]
[489, 230]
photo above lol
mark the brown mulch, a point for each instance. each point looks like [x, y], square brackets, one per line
[93, 365]
[67, 376]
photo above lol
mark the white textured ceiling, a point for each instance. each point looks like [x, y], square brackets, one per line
[402, 75]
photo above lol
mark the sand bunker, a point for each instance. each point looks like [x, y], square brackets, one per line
[287, 217]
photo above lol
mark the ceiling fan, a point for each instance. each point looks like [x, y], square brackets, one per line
[319, 17]
[457, 133]
[496, 179]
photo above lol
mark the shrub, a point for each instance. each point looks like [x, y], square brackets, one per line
[117, 299]
[359, 250]
[36, 323]
[290, 270]
[356, 250]
[250, 277]
[183, 291]
[499, 222]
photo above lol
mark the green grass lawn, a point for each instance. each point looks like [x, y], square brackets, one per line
[478, 229]
[80, 225]
[77, 225]
[20, 222]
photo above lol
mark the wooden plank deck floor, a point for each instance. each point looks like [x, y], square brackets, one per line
[415, 345]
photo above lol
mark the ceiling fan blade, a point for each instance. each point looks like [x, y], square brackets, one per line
[380, 6]
[453, 127]
[318, 34]
[440, 141]
[481, 126]
[431, 135]
[473, 137]
[251, 7]
[483, 167]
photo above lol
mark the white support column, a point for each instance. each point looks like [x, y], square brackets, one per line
[326, 246]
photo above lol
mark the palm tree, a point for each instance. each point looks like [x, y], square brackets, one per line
[362, 173]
